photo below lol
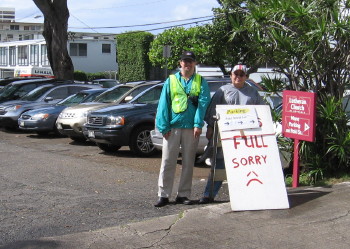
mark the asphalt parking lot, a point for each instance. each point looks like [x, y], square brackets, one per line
[52, 186]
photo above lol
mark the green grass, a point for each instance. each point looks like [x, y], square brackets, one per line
[305, 180]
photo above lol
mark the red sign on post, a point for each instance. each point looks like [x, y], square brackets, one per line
[298, 116]
[298, 122]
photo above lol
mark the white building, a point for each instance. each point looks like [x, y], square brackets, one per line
[10, 30]
[88, 55]
[23, 48]
[7, 14]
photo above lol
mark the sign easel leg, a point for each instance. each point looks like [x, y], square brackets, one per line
[213, 161]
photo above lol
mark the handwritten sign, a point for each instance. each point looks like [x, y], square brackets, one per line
[239, 117]
[252, 162]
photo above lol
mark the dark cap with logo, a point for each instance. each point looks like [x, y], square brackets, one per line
[188, 55]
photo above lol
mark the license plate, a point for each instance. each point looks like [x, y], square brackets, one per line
[91, 133]
[21, 123]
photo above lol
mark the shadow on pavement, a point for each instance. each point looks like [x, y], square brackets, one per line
[300, 197]
[37, 244]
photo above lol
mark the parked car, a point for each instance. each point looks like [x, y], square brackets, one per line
[42, 96]
[6, 81]
[125, 124]
[18, 89]
[43, 120]
[71, 120]
[106, 83]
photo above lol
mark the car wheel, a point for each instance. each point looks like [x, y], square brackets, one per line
[140, 141]
[108, 147]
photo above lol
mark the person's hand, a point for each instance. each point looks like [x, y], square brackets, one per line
[197, 132]
[167, 135]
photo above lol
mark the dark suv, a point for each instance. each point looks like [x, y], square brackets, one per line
[125, 124]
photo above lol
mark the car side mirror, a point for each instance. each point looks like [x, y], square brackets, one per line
[128, 98]
[48, 99]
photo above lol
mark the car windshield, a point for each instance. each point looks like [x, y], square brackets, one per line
[36, 93]
[73, 99]
[105, 83]
[8, 91]
[149, 97]
[78, 98]
[113, 95]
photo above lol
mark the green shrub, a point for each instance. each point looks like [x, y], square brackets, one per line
[94, 76]
[133, 60]
[80, 76]
[329, 153]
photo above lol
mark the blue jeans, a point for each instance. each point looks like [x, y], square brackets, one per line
[220, 164]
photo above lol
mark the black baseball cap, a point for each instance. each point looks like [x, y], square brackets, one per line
[188, 55]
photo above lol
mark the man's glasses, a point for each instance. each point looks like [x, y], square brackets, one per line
[239, 74]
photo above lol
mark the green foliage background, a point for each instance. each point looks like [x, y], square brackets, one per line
[132, 57]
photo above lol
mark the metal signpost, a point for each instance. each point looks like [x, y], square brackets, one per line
[298, 122]
[166, 55]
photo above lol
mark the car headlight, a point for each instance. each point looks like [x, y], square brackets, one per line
[39, 116]
[13, 108]
[112, 120]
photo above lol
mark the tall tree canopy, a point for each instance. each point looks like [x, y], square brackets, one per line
[307, 40]
[56, 16]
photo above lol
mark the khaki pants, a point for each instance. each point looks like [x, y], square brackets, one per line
[171, 148]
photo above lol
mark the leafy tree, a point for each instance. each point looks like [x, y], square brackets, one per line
[213, 44]
[179, 39]
[56, 16]
[308, 40]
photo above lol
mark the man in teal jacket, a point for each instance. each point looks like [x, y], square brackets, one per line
[181, 109]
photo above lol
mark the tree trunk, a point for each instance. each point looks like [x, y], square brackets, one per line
[56, 16]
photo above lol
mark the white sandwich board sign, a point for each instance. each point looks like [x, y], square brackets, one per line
[252, 161]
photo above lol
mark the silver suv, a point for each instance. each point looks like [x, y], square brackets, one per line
[71, 120]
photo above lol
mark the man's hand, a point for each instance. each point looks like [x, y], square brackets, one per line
[197, 132]
[167, 135]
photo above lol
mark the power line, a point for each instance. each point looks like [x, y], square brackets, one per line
[142, 25]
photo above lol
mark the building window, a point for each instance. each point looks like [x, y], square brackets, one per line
[26, 27]
[106, 48]
[12, 56]
[14, 27]
[34, 55]
[35, 27]
[28, 37]
[23, 55]
[3, 56]
[78, 49]
[43, 55]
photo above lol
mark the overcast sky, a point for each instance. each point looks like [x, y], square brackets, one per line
[93, 14]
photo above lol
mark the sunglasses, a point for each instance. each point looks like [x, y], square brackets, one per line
[239, 74]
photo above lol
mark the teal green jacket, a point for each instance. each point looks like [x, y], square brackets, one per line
[192, 117]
